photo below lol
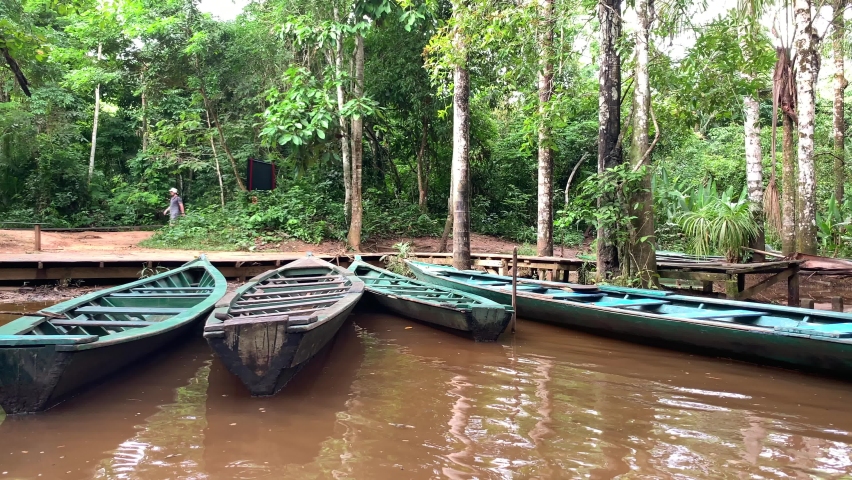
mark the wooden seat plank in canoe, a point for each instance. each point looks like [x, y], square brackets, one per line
[281, 283]
[100, 323]
[310, 277]
[291, 313]
[275, 304]
[169, 289]
[265, 298]
[98, 310]
[710, 314]
[290, 293]
[638, 302]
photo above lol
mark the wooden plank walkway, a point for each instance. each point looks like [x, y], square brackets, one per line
[80, 265]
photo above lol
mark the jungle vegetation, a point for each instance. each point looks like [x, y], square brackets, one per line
[714, 125]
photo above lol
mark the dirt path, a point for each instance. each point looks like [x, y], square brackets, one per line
[21, 241]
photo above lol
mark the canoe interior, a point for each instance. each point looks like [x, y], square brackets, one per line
[120, 311]
[299, 293]
[389, 283]
[775, 319]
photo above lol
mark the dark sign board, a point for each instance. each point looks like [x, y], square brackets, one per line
[261, 175]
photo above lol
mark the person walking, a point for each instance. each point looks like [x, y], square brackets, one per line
[175, 205]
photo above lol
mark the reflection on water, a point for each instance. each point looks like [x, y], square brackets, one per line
[20, 309]
[394, 399]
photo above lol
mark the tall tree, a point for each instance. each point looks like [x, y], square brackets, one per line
[354, 237]
[95, 122]
[545, 152]
[341, 118]
[461, 151]
[753, 152]
[840, 85]
[609, 118]
[807, 65]
[643, 244]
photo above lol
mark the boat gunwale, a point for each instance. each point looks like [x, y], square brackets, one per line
[644, 314]
[482, 302]
[27, 323]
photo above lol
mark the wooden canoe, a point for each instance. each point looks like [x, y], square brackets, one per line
[479, 317]
[274, 324]
[804, 339]
[46, 358]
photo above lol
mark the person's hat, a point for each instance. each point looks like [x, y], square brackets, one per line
[173, 190]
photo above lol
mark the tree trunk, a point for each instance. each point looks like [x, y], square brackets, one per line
[754, 171]
[344, 130]
[423, 169]
[448, 225]
[643, 241]
[354, 237]
[609, 118]
[95, 124]
[545, 152]
[461, 151]
[218, 170]
[840, 84]
[806, 75]
[788, 189]
[145, 111]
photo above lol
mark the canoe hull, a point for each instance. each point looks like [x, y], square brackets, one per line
[271, 327]
[826, 356]
[265, 373]
[34, 379]
[482, 323]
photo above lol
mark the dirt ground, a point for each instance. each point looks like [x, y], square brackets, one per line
[22, 241]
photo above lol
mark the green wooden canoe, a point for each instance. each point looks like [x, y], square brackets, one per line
[270, 328]
[483, 319]
[804, 339]
[46, 358]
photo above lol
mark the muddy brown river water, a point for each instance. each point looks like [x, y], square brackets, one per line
[394, 399]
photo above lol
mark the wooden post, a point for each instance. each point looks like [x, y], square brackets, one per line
[706, 286]
[514, 288]
[37, 228]
[504, 265]
[793, 287]
[732, 287]
[837, 304]
[807, 303]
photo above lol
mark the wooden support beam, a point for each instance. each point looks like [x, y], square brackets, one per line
[837, 304]
[706, 286]
[749, 292]
[793, 286]
[807, 303]
[37, 229]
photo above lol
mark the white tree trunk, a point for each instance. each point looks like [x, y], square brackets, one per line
[344, 128]
[643, 248]
[216, 159]
[806, 74]
[754, 165]
[95, 124]
[354, 237]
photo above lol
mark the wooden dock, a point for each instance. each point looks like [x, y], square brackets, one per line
[68, 266]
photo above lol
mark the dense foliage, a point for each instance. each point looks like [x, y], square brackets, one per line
[187, 99]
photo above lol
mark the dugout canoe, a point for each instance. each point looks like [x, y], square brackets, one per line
[47, 357]
[797, 338]
[273, 325]
[479, 317]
